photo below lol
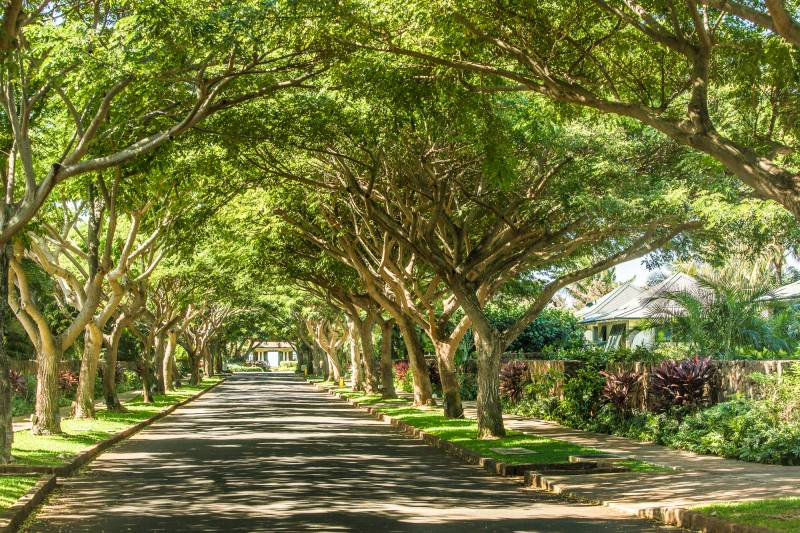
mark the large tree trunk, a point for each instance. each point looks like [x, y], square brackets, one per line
[208, 365]
[357, 376]
[176, 373]
[365, 328]
[194, 363]
[158, 362]
[423, 392]
[218, 363]
[334, 367]
[46, 419]
[490, 409]
[144, 361]
[451, 394]
[6, 426]
[387, 370]
[92, 345]
[169, 361]
[109, 376]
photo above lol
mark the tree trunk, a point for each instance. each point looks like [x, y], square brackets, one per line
[365, 328]
[387, 370]
[92, 345]
[451, 394]
[208, 365]
[47, 419]
[334, 367]
[218, 363]
[490, 409]
[357, 376]
[158, 363]
[194, 363]
[6, 427]
[147, 395]
[176, 373]
[423, 392]
[109, 376]
[169, 361]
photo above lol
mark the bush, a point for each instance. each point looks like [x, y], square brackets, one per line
[620, 389]
[514, 377]
[468, 385]
[681, 384]
[68, 381]
[233, 367]
[130, 381]
[19, 385]
[582, 397]
[287, 365]
[403, 376]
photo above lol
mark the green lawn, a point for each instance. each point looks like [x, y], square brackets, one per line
[13, 487]
[779, 514]
[464, 433]
[52, 450]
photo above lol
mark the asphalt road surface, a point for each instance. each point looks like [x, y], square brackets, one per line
[266, 452]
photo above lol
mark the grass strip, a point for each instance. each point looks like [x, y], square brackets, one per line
[464, 432]
[13, 488]
[79, 434]
[778, 514]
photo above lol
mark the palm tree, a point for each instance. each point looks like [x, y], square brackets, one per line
[590, 289]
[724, 312]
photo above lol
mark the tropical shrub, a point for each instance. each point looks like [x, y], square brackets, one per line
[130, 381]
[403, 376]
[621, 388]
[681, 384]
[68, 381]
[433, 373]
[514, 377]
[582, 397]
[19, 384]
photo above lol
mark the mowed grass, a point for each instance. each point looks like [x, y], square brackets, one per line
[464, 433]
[13, 488]
[78, 434]
[778, 514]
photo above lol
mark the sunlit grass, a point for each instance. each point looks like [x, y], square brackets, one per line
[79, 434]
[13, 488]
[778, 514]
[464, 433]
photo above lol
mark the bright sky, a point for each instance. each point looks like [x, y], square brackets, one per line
[633, 268]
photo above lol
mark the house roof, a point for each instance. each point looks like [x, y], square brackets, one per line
[609, 302]
[786, 292]
[648, 303]
[272, 345]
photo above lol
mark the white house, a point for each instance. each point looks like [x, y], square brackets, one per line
[616, 319]
[272, 352]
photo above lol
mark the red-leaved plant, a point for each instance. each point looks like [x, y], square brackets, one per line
[18, 382]
[513, 378]
[68, 381]
[621, 388]
[682, 384]
[400, 370]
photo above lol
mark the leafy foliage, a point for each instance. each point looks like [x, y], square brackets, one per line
[514, 377]
[682, 384]
[620, 388]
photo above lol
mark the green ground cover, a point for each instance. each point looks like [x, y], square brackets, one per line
[778, 514]
[13, 487]
[53, 450]
[464, 433]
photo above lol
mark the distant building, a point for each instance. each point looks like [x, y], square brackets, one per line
[272, 352]
[785, 293]
[616, 319]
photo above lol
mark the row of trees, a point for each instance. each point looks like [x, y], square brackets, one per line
[206, 176]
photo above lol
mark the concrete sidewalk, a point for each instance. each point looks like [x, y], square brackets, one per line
[698, 479]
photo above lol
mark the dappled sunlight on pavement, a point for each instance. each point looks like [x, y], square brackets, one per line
[268, 453]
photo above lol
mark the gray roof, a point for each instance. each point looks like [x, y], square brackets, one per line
[609, 302]
[649, 303]
[272, 345]
[786, 292]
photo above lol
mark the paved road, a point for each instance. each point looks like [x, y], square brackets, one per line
[268, 453]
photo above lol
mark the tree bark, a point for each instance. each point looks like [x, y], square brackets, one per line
[423, 392]
[194, 363]
[490, 409]
[6, 426]
[451, 393]
[208, 365]
[334, 367]
[159, 352]
[387, 370]
[365, 328]
[169, 360]
[92, 345]
[356, 376]
[109, 376]
[47, 419]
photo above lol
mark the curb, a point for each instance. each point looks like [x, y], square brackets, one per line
[14, 516]
[93, 451]
[535, 476]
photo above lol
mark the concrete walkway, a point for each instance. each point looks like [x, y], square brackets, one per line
[269, 453]
[699, 479]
